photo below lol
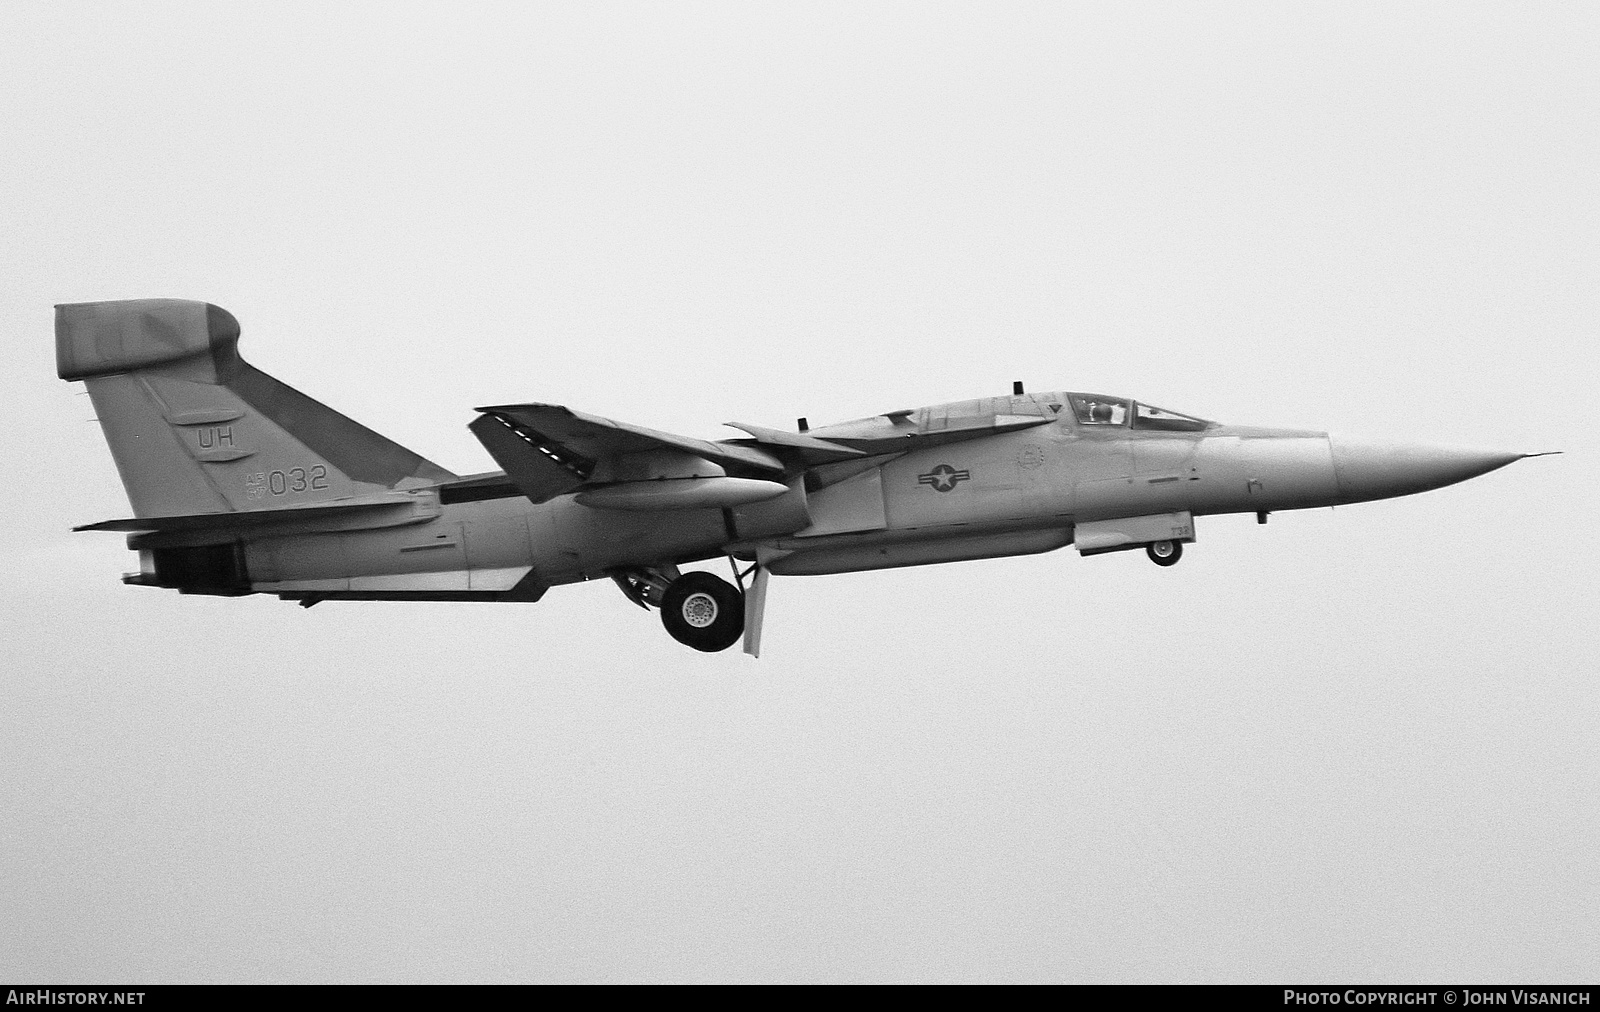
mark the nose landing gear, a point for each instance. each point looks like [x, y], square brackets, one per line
[1164, 553]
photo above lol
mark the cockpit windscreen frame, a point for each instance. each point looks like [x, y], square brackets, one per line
[1118, 412]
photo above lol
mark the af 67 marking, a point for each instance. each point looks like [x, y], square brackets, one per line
[291, 482]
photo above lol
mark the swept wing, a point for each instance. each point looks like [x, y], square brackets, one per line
[549, 450]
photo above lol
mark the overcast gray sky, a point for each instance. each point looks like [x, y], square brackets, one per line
[1350, 745]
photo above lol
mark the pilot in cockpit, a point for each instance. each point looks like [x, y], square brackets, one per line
[1100, 410]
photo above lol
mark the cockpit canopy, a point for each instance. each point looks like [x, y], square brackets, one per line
[1094, 409]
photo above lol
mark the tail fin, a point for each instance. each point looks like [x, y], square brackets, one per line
[195, 429]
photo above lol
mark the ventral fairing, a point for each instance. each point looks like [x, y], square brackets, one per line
[242, 485]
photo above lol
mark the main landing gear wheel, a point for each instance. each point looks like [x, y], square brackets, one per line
[704, 612]
[1164, 553]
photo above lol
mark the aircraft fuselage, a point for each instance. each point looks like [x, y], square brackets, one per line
[241, 484]
[1007, 493]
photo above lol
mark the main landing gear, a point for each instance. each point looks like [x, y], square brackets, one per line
[703, 611]
[699, 610]
[1164, 553]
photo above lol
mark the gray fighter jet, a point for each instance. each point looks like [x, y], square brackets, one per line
[242, 485]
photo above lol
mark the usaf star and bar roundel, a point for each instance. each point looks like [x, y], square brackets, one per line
[944, 478]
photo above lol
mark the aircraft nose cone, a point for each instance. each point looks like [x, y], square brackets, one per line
[1369, 470]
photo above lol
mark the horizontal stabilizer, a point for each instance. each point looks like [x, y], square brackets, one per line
[364, 510]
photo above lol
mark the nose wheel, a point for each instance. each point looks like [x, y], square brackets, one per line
[1164, 553]
[704, 612]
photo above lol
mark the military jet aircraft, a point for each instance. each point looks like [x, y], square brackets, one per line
[242, 485]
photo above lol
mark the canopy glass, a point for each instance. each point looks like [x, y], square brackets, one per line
[1095, 409]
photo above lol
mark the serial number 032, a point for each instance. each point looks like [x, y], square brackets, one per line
[291, 482]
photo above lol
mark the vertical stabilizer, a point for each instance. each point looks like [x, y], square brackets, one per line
[195, 429]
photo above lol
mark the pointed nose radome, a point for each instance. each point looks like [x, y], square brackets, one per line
[1381, 470]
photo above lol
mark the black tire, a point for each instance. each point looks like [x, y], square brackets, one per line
[1164, 553]
[704, 612]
